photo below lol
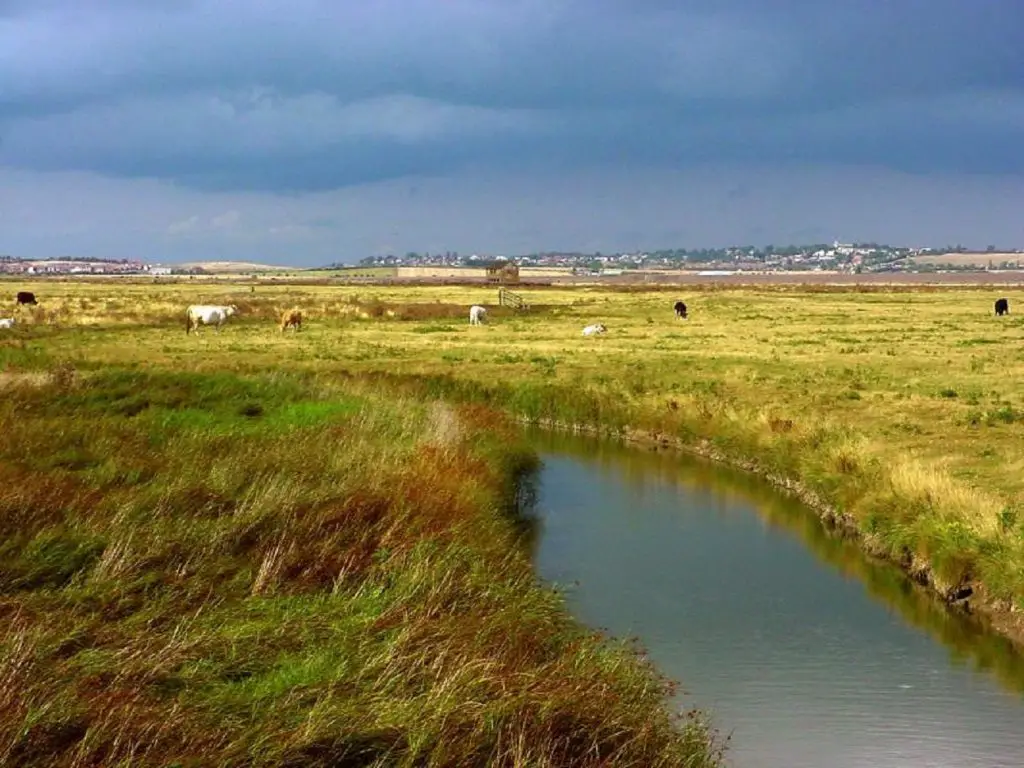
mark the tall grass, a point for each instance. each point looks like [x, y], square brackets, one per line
[288, 570]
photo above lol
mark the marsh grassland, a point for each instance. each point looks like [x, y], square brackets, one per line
[230, 563]
[178, 538]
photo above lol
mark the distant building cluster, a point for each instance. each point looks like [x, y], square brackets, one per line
[834, 257]
[824, 257]
[12, 266]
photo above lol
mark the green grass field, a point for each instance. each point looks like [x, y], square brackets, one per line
[902, 410]
[211, 566]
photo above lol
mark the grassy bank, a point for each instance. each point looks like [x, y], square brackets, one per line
[284, 569]
[963, 542]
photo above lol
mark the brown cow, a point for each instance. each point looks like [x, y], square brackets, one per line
[293, 318]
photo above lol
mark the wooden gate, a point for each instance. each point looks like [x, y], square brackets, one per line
[508, 299]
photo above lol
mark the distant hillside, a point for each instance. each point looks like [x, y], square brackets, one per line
[235, 266]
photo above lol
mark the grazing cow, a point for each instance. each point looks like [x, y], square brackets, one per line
[680, 310]
[26, 297]
[204, 314]
[7, 322]
[1002, 307]
[477, 314]
[593, 330]
[293, 318]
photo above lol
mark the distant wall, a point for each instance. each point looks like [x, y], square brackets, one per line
[466, 272]
[525, 272]
[368, 272]
[971, 259]
[452, 273]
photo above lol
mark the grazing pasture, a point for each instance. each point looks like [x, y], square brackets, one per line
[900, 408]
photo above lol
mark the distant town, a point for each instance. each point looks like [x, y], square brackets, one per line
[834, 257]
[825, 257]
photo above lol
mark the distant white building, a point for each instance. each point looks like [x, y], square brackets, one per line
[844, 249]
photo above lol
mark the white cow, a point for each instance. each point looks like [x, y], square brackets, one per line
[207, 314]
[477, 314]
[7, 322]
[593, 330]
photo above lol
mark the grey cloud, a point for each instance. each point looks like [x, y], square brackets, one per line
[258, 121]
[506, 212]
[257, 135]
[515, 54]
[311, 94]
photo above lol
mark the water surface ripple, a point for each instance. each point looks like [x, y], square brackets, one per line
[806, 651]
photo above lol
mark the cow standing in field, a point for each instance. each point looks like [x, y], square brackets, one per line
[26, 297]
[207, 314]
[594, 330]
[291, 318]
[477, 314]
[1002, 307]
[680, 310]
[7, 322]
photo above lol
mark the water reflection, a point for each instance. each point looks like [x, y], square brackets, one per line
[523, 511]
[803, 649]
[644, 472]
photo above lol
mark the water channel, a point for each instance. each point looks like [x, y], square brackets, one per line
[802, 649]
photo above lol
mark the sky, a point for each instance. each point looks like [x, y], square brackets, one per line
[314, 131]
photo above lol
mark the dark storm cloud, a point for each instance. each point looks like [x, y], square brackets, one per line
[313, 94]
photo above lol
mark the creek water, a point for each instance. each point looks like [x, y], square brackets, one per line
[802, 650]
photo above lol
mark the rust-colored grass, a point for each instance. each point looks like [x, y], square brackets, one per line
[207, 569]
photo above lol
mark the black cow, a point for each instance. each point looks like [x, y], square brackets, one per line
[1002, 307]
[26, 297]
[680, 310]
